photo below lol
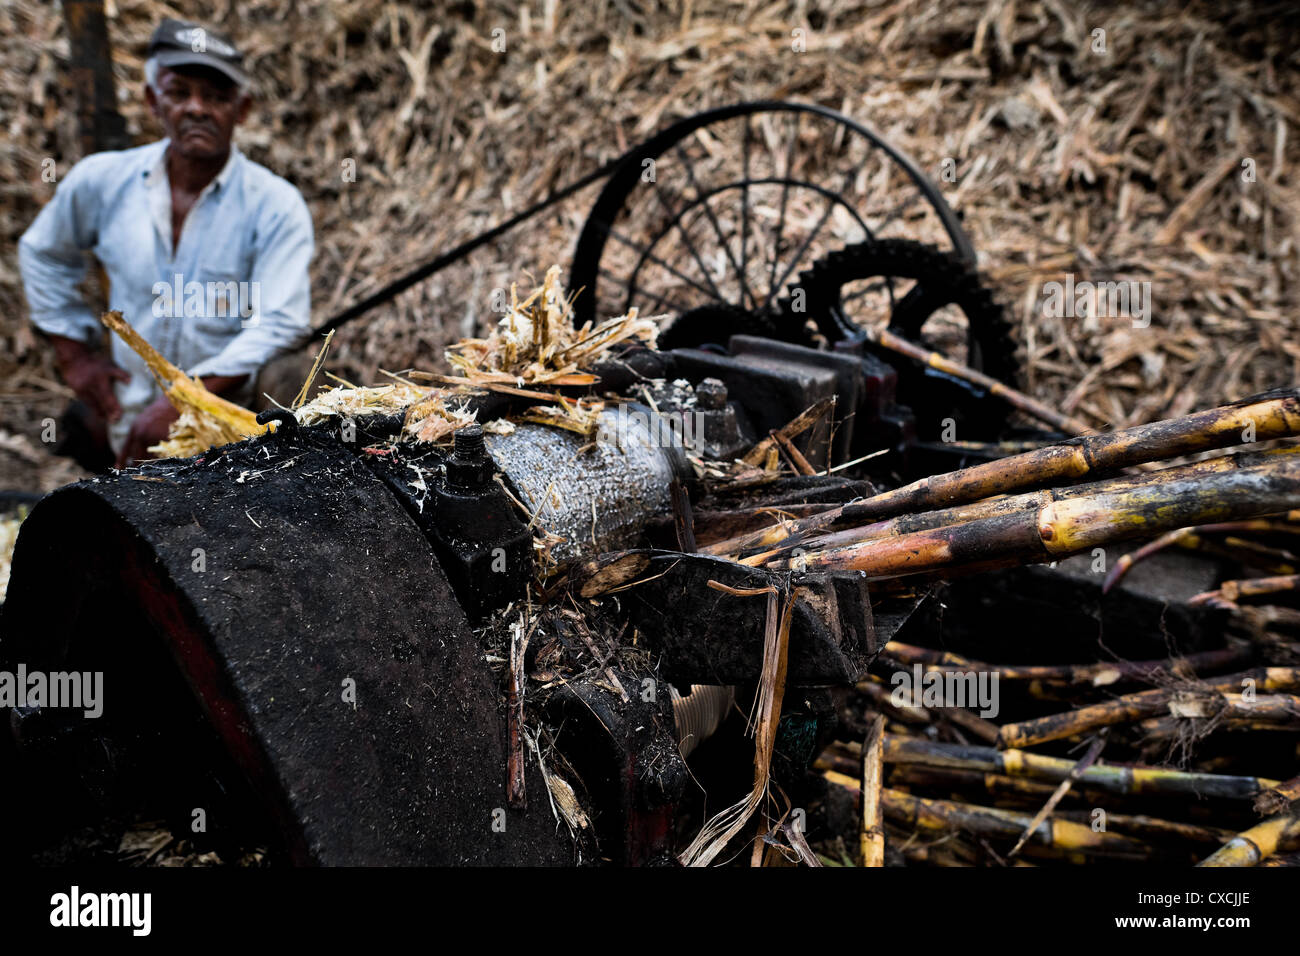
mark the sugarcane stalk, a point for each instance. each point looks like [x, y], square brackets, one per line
[871, 836]
[1278, 798]
[1113, 778]
[880, 699]
[1256, 844]
[1154, 829]
[1002, 505]
[1161, 729]
[847, 759]
[181, 390]
[923, 813]
[1268, 708]
[1132, 707]
[1275, 415]
[793, 429]
[1016, 399]
[910, 654]
[1056, 856]
[972, 723]
[996, 785]
[1269, 617]
[1084, 762]
[829, 759]
[1070, 526]
[796, 457]
[1235, 591]
[718, 525]
[1096, 675]
[1272, 415]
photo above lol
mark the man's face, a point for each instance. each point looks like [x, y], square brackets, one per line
[199, 109]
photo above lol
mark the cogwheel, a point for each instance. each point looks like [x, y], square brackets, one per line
[942, 278]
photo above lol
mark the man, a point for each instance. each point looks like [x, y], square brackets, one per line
[206, 252]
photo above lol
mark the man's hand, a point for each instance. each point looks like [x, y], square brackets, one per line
[149, 428]
[155, 421]
[91, 375]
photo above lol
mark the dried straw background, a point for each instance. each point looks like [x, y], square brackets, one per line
[1069, 161]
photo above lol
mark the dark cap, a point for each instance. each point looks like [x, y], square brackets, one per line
[179, 42]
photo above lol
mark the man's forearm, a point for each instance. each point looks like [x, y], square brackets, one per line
[67, 350]
[221, 384]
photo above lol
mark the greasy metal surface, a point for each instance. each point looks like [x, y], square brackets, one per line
[771, 390]
[626, 754]
[313, 577]
[596, 495]
[705, 636]
[475, 529]
[848, 370]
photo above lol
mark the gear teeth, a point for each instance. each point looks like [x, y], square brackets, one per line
[955, 281]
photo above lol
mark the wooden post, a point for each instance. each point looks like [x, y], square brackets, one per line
[90, 65]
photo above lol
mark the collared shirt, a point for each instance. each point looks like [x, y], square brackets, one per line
[233, 292]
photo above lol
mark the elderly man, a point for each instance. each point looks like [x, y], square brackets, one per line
[206, 252]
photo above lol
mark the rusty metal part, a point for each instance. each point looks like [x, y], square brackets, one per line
[705, 636]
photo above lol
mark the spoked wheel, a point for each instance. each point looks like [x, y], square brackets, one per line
[714, 216]
[931, 297]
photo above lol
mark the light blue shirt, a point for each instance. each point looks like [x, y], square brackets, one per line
[233, 293]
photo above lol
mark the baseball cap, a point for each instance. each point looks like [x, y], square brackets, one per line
[179, 42]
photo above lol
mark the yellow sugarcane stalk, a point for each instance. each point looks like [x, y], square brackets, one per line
[1065, 527]
[923, 813]
[1256, 844]
[1113, 778]
[1130, 707]
[183, 392]
[871, 834]
[1005, 505]
[1261, 418]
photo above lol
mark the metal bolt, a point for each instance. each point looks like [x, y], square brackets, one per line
[469, 443]
[711, 395]
[469, 466]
